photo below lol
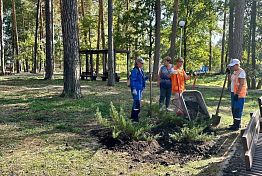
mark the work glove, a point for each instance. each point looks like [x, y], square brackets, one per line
[134, 92]
[236, 97]
[227, 71]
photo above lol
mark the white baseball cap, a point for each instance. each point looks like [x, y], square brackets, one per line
[234, 62]
[140, 60]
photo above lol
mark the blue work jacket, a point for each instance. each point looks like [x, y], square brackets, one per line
[138, 82]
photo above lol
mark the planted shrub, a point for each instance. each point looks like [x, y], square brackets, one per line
[172, 119]
[192, 132]
[123, 126]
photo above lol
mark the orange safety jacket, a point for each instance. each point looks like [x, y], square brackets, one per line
[178, 80]
[236, 81]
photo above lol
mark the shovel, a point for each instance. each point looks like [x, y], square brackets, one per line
[215, 120]
[194, 83]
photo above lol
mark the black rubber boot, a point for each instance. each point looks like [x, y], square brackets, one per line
[234, 122]
[235, 126]
[134, 115]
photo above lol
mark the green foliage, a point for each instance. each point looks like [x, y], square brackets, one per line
[253, 72]
[121, 125]
[172, 119]
[193, 131]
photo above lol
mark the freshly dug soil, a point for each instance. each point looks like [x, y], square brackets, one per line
[163, 150]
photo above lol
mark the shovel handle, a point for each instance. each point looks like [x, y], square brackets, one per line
[194, 83]
[178, 85]
[219, 102]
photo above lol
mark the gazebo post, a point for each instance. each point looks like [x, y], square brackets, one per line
[114, 61]
[104, 62]
[127, 64]
[87, 65]
[91, 65]
[80, 64]
[106, 66]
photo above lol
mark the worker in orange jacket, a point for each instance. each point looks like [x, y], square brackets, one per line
[178, 79]
[238, 92]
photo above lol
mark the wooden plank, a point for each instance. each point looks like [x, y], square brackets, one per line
[260, 110]
[249, 155]
[257, 161]
[250, 130]
[250, 139]
[260, 105]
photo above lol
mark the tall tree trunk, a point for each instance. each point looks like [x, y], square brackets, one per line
[101, 10]
[49, 72]
[222, 62]
[172, 49]
[98, 38]
[239, 28]
[71, 49]
[15, 37]
[41, 35]
[151, 42]
[83, 16]
[253, 24]
[126, 28]
[53, 34]
[210, 50]
[2, 38]
[231, 29]
[111, 71]
[157, 39]
[101, 7]
[36, 33]
[249, 42]
[230, 34]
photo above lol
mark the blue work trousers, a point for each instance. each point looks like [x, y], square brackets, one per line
[237, 107]
[135, 110]
[165, 96]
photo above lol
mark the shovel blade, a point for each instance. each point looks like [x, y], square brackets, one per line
[215, 120]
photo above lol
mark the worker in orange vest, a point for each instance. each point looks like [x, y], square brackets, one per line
[178, 79]
[238, 92]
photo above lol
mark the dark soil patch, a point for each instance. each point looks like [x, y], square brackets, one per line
[163, 150]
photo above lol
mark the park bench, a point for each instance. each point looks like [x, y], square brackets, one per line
[105, 77]
[250, 137]
[85, 75]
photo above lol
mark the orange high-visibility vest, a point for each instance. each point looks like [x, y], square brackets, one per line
[178, 80]
[235, 79]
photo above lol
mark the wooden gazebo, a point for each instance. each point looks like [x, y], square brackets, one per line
[89, 69]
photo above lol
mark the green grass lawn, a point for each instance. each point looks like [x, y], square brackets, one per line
[44, 134]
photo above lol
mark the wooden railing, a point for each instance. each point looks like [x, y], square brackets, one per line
[260, 105]
[250, 136]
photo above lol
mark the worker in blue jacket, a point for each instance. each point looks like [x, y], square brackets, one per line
[137, 85]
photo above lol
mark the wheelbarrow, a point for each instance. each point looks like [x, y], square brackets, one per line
[194, 106]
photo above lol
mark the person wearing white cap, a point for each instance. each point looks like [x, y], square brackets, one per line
[238, 92]
[137, 85]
